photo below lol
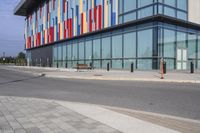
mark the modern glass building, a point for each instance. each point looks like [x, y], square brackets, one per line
[62, 33]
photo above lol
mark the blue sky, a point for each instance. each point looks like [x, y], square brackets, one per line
[11, 29]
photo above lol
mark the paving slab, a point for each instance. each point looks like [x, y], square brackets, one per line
[39, 116]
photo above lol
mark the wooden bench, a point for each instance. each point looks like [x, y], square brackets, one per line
[83, 66]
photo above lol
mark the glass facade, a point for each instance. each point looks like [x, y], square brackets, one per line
[129, 45]
[130, 10]
[174, 38]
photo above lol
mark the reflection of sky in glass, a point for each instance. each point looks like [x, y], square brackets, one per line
[11, 29]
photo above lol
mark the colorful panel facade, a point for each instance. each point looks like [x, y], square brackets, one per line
[61, 19]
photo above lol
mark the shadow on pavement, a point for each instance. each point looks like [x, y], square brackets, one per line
[21, 80]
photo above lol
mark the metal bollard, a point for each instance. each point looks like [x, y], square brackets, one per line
[57, 65]
[108, 66]
[91, 65]
[164, 67]
[66, 65]
[132, 67]
[191, 67]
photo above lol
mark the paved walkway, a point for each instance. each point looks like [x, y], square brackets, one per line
[172, 76]
[25, 115]
[29, 115]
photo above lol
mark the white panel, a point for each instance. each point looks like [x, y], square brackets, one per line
[194, 11]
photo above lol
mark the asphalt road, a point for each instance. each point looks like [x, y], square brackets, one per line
[181, 100]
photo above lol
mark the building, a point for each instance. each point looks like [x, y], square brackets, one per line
[62, 33]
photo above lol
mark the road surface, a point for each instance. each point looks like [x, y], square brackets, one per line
[177, 99]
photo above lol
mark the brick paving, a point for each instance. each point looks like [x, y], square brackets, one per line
[27, 115]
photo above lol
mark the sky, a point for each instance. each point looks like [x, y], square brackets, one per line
[11, 29]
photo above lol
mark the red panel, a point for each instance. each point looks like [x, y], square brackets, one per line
[95, 17]
[70, 28]
[90, 20]
[65, 34]
[29, 42]
[100, 17]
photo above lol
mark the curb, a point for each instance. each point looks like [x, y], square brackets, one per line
[101, 78]
[124, 79]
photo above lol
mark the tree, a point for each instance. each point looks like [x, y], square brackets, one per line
[21, 59]
[21, 55]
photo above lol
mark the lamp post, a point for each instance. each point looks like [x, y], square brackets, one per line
[4, 57]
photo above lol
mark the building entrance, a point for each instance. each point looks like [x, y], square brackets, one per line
[182, 59]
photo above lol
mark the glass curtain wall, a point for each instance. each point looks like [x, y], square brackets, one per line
[130, 45]
[119, 48]
[173, 38]
[130, 10]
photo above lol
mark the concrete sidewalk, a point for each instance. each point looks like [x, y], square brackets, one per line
[30, 115]
[173, 76]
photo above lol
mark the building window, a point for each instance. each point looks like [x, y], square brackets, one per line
[145, 12]
[142, 3]
[170, 2]
[96, 49]
[75, 52]
[88, 50]
[106, 53]
[117, 64]
[181, 15]
[64, 52]
[55, 56]
[69, 52]
[121, 6]
[130, 17]
[169, 11]
[130, 45]
[144, 64]
[129, 5]
[145, 41]
[182, 4]
[181, 40]
[81, 53]
[169, 43]
[60, 53]
[117, 46]
[192, 46]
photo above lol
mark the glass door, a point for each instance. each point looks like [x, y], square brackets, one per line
[182, 59]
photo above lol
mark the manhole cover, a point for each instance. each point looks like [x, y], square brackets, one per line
[98, 75]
